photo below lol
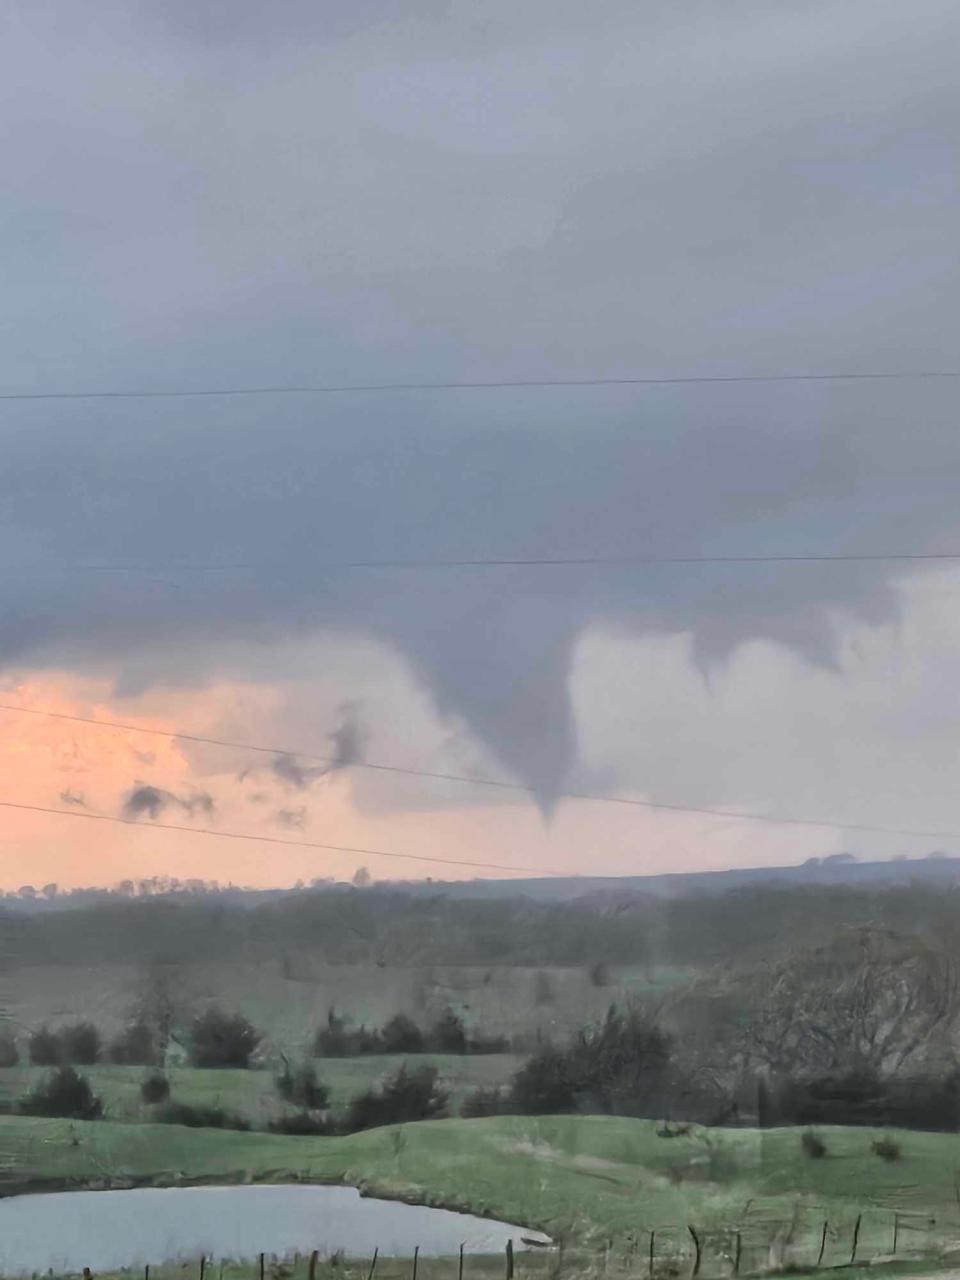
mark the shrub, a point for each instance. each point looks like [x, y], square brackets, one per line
[447, 1035]
[812, 1145]
[619, 1067]
[136, 1046]
[488, 1044]
[401, 1035]
[300, 1086]
[487, 1101]
[80, 1044]
[65, 1094]
[302, 1124]
[333, 1040]
[599, 974]
[43, 1048]
[155, 1088]
[543, 1085]
[9, 1055]
[200, 1117]
[404, 1096]
[219, 1039]
[886, 1149]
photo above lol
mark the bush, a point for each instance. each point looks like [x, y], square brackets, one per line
[334, 1040]
[64, 1094]
[483, 1102]
[302, 1125]
[9, 1055]
[300, 1086]
[155, 1088]
[404, 1096]
[219, 1039]
[543, 1085]
[860, 1098]
[200, 1117]
[488, 1044]
[43, 1048]
[135, 1047]
[599, 974]
[80, 1044]
[812, 1145]
[886, 1149]
[401, 1035]
[447, 1035]
[619, 1067]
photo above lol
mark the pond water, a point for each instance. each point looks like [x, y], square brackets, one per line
[111, 1229]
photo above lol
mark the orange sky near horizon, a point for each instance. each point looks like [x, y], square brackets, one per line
[85, 768]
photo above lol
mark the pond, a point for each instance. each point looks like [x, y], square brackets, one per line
[106, 1230]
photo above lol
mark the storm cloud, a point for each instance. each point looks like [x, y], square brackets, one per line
[146, 800]
[458, 195]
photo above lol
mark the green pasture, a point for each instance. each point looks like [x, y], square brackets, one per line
[600, 1184]
[253, 1094]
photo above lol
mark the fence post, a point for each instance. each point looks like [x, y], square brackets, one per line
[823, 1242]
[896, 1231]
[856, 1237]
[203, 1265]
[312, 1269]
[509, 1271]
[261, 1266]
[373, 1263]
[653, 1236]
[696, 1245]
[736, 1256]
[416, 1256]
[460, 1269]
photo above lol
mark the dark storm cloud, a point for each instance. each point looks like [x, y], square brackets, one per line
[145, 799]
[549, 192]
[348, 739]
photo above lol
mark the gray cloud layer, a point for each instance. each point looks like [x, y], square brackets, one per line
[197, 198]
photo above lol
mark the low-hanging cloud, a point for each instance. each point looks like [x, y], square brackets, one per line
[348, 739]
[146, 800]
[770, 188]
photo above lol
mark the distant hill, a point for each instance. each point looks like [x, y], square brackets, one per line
[839, 869]
[836, 869]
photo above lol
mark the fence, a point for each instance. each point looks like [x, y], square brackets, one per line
[806, 1242]
[314, 1266]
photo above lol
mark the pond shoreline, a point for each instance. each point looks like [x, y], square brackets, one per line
[270, 1178]
[119, 1227]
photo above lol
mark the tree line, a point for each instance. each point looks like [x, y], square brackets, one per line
[389, 927]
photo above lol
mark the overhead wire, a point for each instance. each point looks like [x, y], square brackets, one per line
[493, 384]
[520, 562]
[472, 780]
[259, 837]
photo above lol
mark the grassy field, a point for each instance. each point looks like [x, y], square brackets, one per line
[252, 1093]
[599, 1183]
[289, 998]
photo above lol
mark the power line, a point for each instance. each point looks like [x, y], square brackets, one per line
[529, 562]
[506, 384]
[264, 839]
[465, 779]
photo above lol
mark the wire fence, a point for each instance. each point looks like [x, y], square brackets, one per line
[808, 1241]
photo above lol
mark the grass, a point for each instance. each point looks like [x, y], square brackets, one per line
[252, 1093]
[498, 1000]
[597, 1182]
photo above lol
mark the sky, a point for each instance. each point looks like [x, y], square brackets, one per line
[207, 195]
